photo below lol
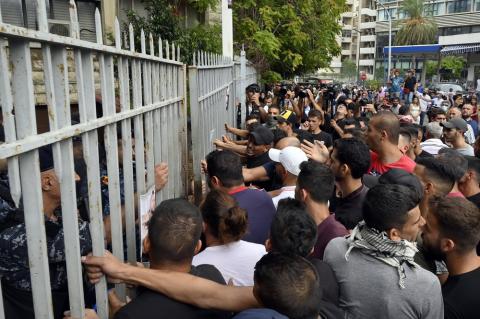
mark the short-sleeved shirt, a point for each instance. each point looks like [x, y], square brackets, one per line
[327, 230]
[460, 295]
[410, 83]
[153, 305]
[378, 168]
[325, 137]
[348, 210]
[260, 210]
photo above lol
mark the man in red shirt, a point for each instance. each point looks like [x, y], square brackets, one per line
[382, 138]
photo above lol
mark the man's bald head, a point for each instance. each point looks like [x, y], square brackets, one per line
[287, 141]
[388, 122]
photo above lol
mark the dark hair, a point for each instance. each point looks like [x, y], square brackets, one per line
[458, 219]
[455, 163]
[293, 230]
[174, 230]
[406, 134]
[288, 284]
[386, 206]
[278, 134]
[403, 110]
[388, 122]
[226, 166]
[474, 165]
[439, 172]
[410, 129]
[316, 113]
[317, 179]
[225, 219]
[355, 154]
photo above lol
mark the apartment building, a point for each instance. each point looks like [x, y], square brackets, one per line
[357, 40]
[458, 22]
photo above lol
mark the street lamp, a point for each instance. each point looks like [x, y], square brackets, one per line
[389, 36]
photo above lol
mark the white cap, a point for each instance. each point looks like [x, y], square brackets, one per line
[290, 157]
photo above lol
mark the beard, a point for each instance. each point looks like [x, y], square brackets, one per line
[432, 251]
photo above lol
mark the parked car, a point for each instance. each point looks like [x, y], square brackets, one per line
[446, 86]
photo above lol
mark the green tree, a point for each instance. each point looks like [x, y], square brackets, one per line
[453, 63]
[287, 37]
[431, 67]
[416, 29]
[349, 69]
[163, 20]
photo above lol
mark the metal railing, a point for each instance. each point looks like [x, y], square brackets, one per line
[151, 89]
[217, 89]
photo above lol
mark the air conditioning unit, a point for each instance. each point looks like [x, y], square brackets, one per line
[60, 27]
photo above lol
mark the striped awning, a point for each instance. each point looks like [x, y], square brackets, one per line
[458, 49]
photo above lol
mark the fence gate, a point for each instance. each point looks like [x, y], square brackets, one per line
[145, 88]
[211, 106]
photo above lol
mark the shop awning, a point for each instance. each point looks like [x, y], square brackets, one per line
[413, 49]
[459, 49]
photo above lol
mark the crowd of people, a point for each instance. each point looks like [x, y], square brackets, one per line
[329, 203]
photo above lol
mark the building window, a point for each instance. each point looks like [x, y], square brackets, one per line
[346, 33]
[459, 6]
[456, 30]
[434, 9]
[477, 5]
[383, 15]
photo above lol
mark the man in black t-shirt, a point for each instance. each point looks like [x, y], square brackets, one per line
[409, 87]
[315, 120]
[173, 239]
[452, 233]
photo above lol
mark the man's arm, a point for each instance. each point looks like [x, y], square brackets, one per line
[236, 131]
[254, 174]
[183, 287]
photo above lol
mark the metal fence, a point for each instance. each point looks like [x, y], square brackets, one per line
[217, 89]
[146, 89]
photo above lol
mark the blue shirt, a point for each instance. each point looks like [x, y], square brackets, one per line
[474, 126]
[260, 210]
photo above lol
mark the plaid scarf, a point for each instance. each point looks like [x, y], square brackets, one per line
[377, 244]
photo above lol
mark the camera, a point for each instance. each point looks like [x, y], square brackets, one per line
[302, 94]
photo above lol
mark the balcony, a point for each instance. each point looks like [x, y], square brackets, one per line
[347, 15]
[368, 12]
[350, 2]
[367, 50]
[367, 38]
[346, 52]
[369, 62]
[347, 40]
[367, 25]
[347, 27]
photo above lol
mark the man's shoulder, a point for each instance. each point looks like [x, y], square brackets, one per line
[209, 272]
[336, 247]
[150, 304]
[252, 193]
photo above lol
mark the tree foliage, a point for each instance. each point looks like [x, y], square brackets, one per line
[287, 37]
[416, 29]
[349, 69]
[453, 63]
[162, 20]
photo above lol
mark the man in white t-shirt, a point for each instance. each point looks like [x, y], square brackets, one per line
[425, 101]
[288, 167]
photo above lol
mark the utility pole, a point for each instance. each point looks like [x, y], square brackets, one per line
[227, 29]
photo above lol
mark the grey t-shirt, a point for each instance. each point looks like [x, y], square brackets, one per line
[369, 287]
[467, 150]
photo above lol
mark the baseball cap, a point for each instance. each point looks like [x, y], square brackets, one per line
[262, 135]
[45, 156]
[287, 116]
[253, 88]
[456, 123]
[290, 157]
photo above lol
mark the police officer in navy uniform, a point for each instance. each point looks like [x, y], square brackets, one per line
[14, 263]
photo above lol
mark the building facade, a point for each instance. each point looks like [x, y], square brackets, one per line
[458, 22]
